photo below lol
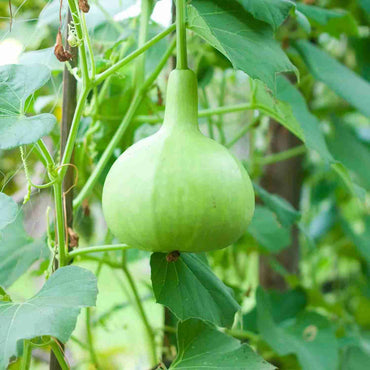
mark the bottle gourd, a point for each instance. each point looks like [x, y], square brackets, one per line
[178, 189]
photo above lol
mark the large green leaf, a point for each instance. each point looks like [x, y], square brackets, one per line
[355, 358]
[273, 12]
[202, 346]
[52, 311]
[292, 112]
[18, 251]
[284, 211]
[190, 289]
[268, 232]
[17, 83]
[228, 27]
[8, 211]
[336, 76]
[310, 336]
[284, 306]
[360, 237]
[334, 22]
[278, 110]
[348, 149]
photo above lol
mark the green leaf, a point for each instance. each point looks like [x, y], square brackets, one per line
[18, 251]
[284, 211]
[334, 22]
[284, 306]
[8, 211]
[348, 149]
[360, 237]
[310, 336]
[228, 27]
[17, 83]
[336, 76]
[273, 12]
[355, 358]
[276, 109]
[292, 112]
[310, 125]
[190, 289]
[52, 311]
[202, 346]
[268, 232]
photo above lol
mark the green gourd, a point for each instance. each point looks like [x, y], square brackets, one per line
[178, 189]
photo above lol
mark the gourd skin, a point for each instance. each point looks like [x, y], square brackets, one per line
[178, 189]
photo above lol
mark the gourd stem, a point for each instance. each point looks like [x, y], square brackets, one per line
[182, 59]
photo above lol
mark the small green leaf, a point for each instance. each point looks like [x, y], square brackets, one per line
[270, 11]
[202, 346]
[18, 251]
[17, 83]
[309, 336]
[228, 27]
[334, 22]
[190, 289]
[268, 232]
[8, 211]
[347, 84]
[52, 311]
[284, 211]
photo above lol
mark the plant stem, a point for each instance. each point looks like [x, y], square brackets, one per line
[209, 119]
[283, 156]
[142, 313]
[203, 113]
[90, 340]
[241, 133]
[106, 261]
[45, 153]
[89, 47]
[225, 109]
[114, 68]
[121, 129]
[101, 248]
[242, 334]
[182, 59]
[27, 355]
[80, 34]
[59, 355]
[59, 222]
[73, 131]
[146, 10]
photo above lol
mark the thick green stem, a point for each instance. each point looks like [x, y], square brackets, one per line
[27, 355]
[121, 129]
[142, 313]
[73, 132]
[59, 222]
[182, 59]
[90, 340]
[283, 156]
[100, 248]
[58, 352]
[45, 153]
[102, 76]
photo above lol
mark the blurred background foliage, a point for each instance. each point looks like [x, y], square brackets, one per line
[326, 285]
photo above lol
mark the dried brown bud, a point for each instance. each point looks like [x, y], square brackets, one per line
[173, 256]
[73, 238]
[84, 5]
[59, 51]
